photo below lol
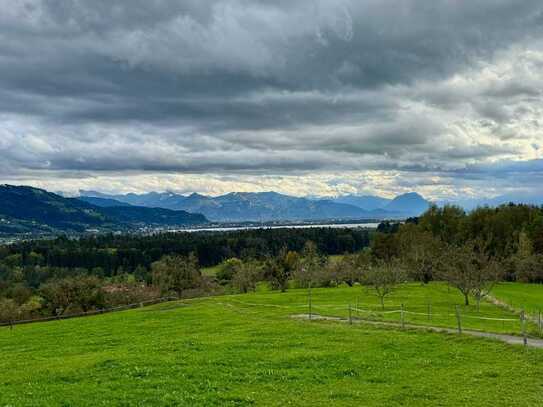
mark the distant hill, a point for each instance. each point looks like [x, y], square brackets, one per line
[102, 202]
[166, 200]
[410, 203]
[367, 202]
[254, 206]
[31, 210]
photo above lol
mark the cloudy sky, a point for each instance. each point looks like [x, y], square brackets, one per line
[308, 97]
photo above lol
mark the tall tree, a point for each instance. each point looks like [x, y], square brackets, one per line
[277, 270]
[176, 274]
[419, 251]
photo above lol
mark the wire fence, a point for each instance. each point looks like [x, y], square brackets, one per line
[140, 304]
[450, 316]
[423, 315]
[520, 327]
[431, 315]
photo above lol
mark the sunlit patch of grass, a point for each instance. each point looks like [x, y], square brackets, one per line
[246, 350]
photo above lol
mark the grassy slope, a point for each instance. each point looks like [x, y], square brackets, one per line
[228, 351]
[211, 271]
[520, 295]
[415, 297]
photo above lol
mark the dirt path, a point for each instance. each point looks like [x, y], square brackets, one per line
[504, 305]
[511, 339]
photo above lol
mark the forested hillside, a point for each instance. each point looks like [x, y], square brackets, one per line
[27, 210]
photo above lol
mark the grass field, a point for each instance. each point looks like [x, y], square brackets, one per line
[432, 304]
[247, 350]
[521, 296]
[211, 271]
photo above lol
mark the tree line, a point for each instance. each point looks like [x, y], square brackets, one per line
[471, 251]
[53, 277]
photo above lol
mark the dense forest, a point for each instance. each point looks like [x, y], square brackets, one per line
[116, 254]
[470, 251]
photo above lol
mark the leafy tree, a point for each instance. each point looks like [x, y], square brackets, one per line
[276, 274]
[535, 230]
[31, 306]
[141, 273]
[228, 268]
[385, 246]
[20, 293]
[176, 274]
[278, 270]
[388, 227]
[309, 267]
[87, 292]
[246, 276]
[57, 295]
[419, 252]
[350, 268]
[447, 223]
[525, 245]
[82, 291]
[291, 260]
[9, 311]
[529, 269]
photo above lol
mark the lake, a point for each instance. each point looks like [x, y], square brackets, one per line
[370, 225]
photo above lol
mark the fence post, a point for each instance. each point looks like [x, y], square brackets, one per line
[350, 316]
[458, 320]
[309, 298]
[523, 327]
[402, 317]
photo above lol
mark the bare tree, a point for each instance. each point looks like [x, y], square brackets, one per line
[384, 277]
[487, 274]
[470, 270]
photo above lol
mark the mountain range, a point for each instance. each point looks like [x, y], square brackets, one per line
[28, 210]
[270, 206]
[31, 210]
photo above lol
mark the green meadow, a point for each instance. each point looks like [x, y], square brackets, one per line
[521, 296]
[244, 350]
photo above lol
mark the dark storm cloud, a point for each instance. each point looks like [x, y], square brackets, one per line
[277, 86]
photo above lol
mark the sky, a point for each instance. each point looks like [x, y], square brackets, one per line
[307, 97]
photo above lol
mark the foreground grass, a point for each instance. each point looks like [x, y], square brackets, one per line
[246, 350]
